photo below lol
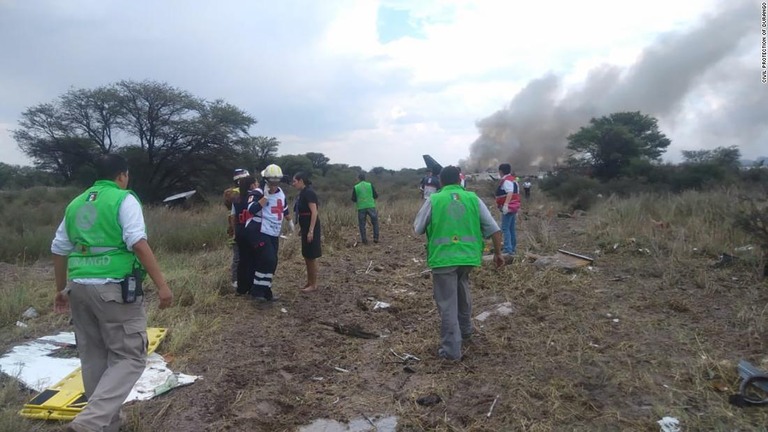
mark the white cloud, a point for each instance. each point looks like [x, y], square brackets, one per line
[530, 37]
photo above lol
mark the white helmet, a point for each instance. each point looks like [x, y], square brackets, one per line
[240, 173]
[272, 173]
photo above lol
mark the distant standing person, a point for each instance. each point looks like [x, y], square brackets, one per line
[430, 184]
[100, 256]
[508, 202]
[527, 188]
[364, 195]
[455, 221]
[462, 178]
[230, 195]
[307, 212]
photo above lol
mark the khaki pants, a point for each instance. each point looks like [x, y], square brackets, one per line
[112, 343]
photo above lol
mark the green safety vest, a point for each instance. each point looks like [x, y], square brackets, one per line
[93, 227]
[454, 235]
[364, 194]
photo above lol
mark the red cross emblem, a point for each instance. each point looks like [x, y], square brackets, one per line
[244, 216]
[278, 209]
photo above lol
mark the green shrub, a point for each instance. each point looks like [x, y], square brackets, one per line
[671, 224]
[12, 396]
[182, 230]
[752, 218]
[30, 218]
[576, 191]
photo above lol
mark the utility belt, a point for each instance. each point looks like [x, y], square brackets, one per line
[93, 250]
[130, 286]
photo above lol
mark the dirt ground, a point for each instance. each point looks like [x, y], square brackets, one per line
[616, 346]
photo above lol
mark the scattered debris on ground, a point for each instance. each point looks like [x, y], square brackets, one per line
[365, 424]
[353, 330]
[669, 424]
[753, 389]
[371, 304]
[47, 364]
[563, 259]
[503, 309]
[429, 400]
[30, 313]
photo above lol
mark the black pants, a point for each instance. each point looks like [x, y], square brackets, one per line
[265, 265]
[246, 266]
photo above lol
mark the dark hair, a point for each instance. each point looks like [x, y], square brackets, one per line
[244, 185]
[301, 175]
[449, 175]
[505, 168]
[109, 166]
[361, 176]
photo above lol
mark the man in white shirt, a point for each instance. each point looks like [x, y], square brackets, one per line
[527, 188]
[100, 255]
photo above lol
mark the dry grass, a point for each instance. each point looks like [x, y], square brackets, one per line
[652, 330]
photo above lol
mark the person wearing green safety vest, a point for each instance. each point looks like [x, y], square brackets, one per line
[364, 195]
[100, 254]
[455, 221]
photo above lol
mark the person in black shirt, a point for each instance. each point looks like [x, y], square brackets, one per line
[306, 210]
[246, 229]
[429, 184]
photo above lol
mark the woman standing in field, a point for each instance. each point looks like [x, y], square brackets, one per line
[306, 210]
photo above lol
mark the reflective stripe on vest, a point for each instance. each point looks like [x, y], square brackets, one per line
[446, 240]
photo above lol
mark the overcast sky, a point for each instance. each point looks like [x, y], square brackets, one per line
[367, 82]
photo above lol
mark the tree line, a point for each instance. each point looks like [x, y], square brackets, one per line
[175, 142]
[621, 154]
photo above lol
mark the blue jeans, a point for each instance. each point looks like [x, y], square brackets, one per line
[508, 231]
[361, 216]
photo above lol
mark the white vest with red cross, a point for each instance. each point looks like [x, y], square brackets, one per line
[272, 213]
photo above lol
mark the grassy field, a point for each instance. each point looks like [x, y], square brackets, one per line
[652, 329]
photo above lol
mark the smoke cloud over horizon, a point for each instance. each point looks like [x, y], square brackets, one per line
[695, 82]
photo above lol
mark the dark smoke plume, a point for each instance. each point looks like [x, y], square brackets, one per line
[704, 62]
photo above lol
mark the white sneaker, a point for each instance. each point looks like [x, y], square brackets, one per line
[234, 284]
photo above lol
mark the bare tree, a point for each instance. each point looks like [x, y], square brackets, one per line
[172, 139]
